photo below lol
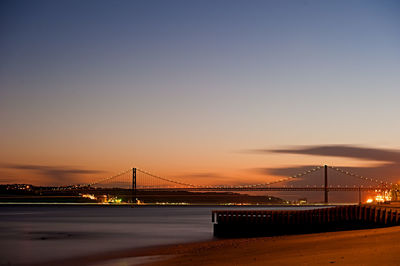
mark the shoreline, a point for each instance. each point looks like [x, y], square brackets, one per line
[359, 247]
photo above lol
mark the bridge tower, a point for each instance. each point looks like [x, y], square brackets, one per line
[133, 185]
[326, 183]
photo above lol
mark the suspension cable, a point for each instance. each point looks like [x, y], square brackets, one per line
[109, 178]
[285, 179]
[360, 176]
[166, 179]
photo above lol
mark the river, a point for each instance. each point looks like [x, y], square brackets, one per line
[34, 233]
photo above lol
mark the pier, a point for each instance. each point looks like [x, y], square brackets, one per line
[243, 223]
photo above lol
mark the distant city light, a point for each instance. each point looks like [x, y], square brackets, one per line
[89, 196]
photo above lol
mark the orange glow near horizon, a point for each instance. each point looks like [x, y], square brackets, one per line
[231, 169]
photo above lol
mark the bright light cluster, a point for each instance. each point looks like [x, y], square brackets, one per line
[89, 196]
[382, 196]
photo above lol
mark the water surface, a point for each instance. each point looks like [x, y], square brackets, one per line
[32, 234]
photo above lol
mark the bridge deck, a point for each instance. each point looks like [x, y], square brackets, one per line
[264, 189]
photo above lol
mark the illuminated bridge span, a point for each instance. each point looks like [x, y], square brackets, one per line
[140, 180]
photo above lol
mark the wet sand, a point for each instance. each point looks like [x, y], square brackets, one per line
[360, 247]
[363, 247]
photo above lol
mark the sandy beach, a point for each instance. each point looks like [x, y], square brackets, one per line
[361, 247]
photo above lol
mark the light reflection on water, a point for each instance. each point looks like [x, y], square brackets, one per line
[30, 234]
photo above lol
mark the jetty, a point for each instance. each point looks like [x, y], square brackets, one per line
[245, 223]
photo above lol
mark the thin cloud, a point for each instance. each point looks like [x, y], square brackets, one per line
[215, 178]
[202, 175]
[6, 180]
[53, 174]
[283, 171]
[346, 151]
[388, 171]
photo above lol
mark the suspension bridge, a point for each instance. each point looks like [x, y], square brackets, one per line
[138, 180]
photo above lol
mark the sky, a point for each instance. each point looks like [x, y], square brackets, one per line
[214, 92]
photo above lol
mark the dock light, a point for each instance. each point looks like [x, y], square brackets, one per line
[379, 198]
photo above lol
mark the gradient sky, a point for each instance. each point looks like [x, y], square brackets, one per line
[193, 89]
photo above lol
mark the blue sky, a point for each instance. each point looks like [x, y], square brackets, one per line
[181, 86]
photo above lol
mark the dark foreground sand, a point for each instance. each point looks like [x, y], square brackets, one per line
[361, 247]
